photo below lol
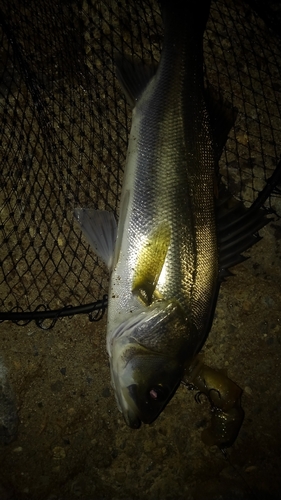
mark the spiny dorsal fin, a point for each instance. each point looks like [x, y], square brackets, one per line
[237, 228]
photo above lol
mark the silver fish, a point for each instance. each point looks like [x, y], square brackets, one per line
[164, 264]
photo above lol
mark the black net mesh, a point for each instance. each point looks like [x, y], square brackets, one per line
[65, 123]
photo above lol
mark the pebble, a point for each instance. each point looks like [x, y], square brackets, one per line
[248, 390]
[58, 453]
[251, 468]
[18, 449]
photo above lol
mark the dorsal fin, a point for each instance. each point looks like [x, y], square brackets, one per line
[237, 228]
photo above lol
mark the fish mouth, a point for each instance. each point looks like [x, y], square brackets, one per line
[132, 420]
[133, 414]
[129, 408]
[138, 407]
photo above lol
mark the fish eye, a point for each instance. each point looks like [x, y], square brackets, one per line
[158, 393]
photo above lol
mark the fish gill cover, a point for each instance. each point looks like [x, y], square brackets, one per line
[65, 124]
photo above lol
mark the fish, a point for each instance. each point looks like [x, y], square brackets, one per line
[178, 232]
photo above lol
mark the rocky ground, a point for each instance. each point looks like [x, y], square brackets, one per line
[72, 442]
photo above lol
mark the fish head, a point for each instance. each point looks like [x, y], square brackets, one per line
[148, 356]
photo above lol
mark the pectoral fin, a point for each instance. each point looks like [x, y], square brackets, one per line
[100, 229]
[222, 116]
[150, 264]
[133, 78]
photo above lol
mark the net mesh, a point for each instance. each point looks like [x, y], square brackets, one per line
[65, 123]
